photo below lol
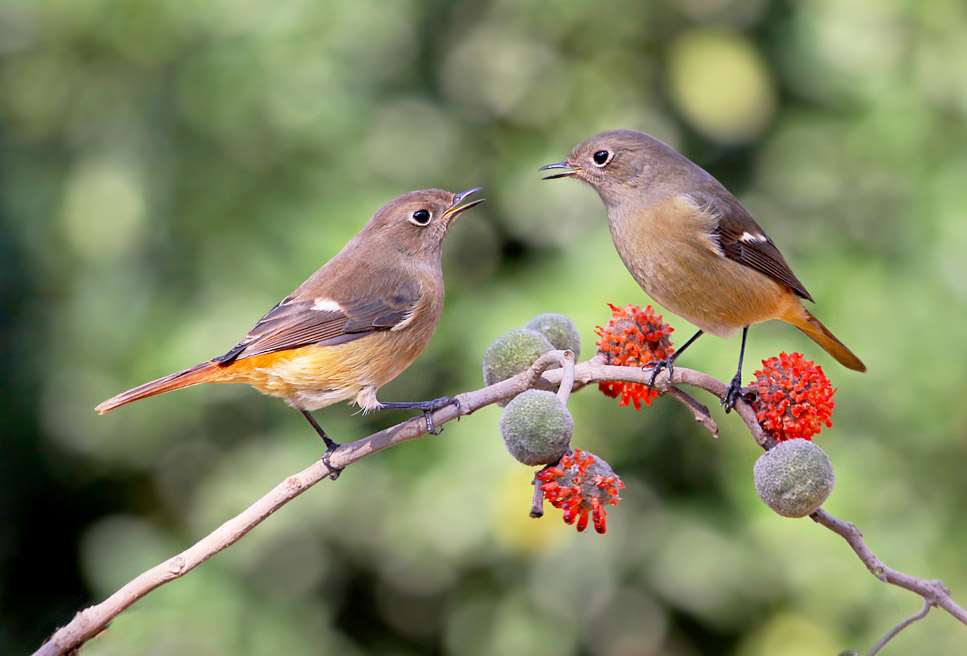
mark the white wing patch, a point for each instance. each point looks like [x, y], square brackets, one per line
[326, 305]
[750, 237]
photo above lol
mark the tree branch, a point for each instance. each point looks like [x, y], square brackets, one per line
[699, 410]
[899, 627]
[934, 593]
[91, 621]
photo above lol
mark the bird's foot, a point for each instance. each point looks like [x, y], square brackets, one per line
[438, 404]
[331, 447]
[428, 408]
[733, 394]
[656, 366]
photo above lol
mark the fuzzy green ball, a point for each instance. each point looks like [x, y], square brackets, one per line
[794, 478]
[536, 427]
[512, 353]
[559, 331]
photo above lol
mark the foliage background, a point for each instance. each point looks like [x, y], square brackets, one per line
[170, 169]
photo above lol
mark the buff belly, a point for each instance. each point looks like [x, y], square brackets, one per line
[690, 277]
[719, 297]
[313, 377]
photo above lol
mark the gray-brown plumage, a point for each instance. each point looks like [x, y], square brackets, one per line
[353, 326]
[690, 244]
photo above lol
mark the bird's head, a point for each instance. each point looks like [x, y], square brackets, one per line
[416, 223]
[620, 164]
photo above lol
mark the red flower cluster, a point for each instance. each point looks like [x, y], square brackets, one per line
[795, 399]
[633, 338]
[581, 483]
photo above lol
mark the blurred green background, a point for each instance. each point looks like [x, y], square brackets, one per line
[170, 169]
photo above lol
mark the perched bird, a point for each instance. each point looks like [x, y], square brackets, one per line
[690, 244]
[353, 326]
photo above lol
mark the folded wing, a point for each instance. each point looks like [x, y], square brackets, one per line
[299, 320]
[741, 239]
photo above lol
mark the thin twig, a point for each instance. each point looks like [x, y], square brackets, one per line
[699, 410]
[934, 592]
[595, 371]
[537, 504]
[91, 621]
[899, 627]
[567, 380]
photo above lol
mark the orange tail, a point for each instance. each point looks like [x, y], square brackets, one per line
[200, 373]
[802, 319]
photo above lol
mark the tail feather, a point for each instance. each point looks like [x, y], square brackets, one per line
[200, 373]
[817, 332]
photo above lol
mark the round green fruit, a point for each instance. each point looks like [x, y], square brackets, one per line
[794, 478]
[559, 330]
[512, 353]
[536, 427]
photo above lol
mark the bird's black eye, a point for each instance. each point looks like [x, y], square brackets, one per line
[601, 157]
[420, 217]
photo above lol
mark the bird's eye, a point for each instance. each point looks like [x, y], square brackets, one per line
[420, 217]
[601, 157]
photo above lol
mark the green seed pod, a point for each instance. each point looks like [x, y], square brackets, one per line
[536, 427]
[794, 478]
[512, 353]
[559, 330]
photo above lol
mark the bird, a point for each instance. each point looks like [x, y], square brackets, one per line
[352, 326]
[691, 245]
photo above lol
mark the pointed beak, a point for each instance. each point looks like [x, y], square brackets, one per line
[457, 208]
[570, 171]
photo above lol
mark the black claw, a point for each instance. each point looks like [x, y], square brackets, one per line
[428, 408]
[437, 404]
[656, 366]
[733, 394]
[668, 363]
[444, 401]
[331, 446]
[334, 471]
[430, 428]
[457, 403]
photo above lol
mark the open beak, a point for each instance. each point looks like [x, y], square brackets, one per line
[570, 171]
[457, 208]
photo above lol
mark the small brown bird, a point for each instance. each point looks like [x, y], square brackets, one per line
[690, 244]
[353, 326]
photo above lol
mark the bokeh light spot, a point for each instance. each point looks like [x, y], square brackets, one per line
[721, 85]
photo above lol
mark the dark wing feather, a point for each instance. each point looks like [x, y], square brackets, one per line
[296, 322]
[741, 239]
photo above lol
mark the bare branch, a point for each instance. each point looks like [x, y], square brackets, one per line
[91, 621]
[899, 627]
[699, 410]
[537, 505]
[595, 371]
[933, 592]
[568, 378]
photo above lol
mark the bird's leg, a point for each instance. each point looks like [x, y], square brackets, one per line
[668, 363]
[330, 445]
[734, 392]
[428, 408]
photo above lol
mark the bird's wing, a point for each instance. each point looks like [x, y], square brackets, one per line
[300, 320]
[741, 239]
